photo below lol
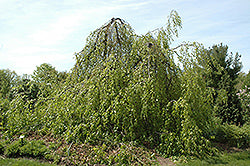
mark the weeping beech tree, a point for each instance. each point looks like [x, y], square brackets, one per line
[126, 87]
[129, 79]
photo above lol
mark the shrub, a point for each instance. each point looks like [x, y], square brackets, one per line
[34, 149]
[23, 148]
[233, 135]
[13, 150]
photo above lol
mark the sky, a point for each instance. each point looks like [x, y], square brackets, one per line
[33, 32]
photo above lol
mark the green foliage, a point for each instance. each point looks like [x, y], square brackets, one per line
[48, 78]
[34, 149]
[189, 118]
[21, 108]
[244, 96]
[20, 119]
[44, 73]
[24, 148]
[8, 79]
[233, 135]
[28, 91]
[13, 150]
[221, 71]
[4, 106]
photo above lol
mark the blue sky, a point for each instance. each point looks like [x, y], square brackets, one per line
[33, 32]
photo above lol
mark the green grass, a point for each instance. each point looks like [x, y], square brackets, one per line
[233, 159]
[22, 162]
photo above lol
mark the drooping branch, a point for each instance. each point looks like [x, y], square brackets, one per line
[105, 28]
[181, 45]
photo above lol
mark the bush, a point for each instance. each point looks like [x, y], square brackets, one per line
[233, 135]
[13, 150]
[23, 148]
[34, 149]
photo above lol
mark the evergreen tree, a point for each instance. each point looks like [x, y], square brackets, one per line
[221, 71]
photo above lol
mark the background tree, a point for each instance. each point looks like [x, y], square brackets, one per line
[27, 91]
[47, 77]
[8, 79]
[221, 70]
[44, 73]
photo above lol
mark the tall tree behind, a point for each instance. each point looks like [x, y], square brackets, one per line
[221, 73]
[47, 77]
[8, 79]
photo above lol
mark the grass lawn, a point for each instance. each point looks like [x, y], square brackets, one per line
[237, 159]
[22, 162]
